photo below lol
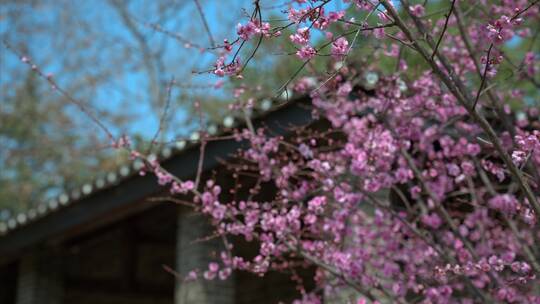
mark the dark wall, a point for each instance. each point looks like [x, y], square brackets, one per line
[8, 283]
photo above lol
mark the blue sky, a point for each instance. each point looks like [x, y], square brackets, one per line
[128, 91]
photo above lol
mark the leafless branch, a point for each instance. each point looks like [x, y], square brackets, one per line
[205, 23]
[444, 29]
[82, 107]
[165, 111]
[484, 75]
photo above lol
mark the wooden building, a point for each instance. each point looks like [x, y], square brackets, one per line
[108, 243]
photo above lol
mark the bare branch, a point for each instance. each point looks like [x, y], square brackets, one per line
[484, 75]
[205, 23]
[82, 107]
[444, 29]
[165, 111]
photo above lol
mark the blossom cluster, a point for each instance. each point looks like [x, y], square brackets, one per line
[398, 190]
[356, 205]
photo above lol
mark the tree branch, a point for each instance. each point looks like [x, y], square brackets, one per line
[444, 29]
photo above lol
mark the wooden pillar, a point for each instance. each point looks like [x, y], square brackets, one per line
[195, 255]
[39, 280]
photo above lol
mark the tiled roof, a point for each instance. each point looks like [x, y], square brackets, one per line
[111, 178]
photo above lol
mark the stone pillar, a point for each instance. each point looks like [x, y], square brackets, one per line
[39, 280]
[192, 254]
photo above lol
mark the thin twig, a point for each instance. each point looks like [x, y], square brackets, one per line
[524, 10]
[165, 111]
[205, 23]
[54, 85]
[158, 28]
[444, 29]
[483, 78]
[202, 147]
[259, 41]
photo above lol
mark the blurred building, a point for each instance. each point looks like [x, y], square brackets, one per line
[106, 242]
